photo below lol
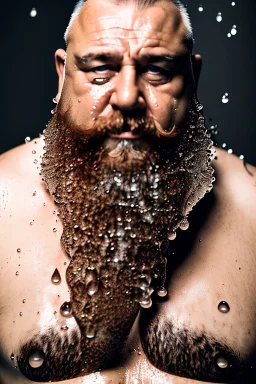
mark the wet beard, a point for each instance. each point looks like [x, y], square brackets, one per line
[119, 200]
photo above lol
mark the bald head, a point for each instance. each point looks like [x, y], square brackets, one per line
[139, 4]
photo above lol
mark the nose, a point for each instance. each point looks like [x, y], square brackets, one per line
[127, 95]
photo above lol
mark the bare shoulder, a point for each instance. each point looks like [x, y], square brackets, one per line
[235, 183]
[20, 173]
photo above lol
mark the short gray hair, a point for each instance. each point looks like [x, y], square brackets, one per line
[141, 4]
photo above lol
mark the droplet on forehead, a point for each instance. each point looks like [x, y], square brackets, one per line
[222, 362]
[56, 279]
[36, 359]
[223, 307]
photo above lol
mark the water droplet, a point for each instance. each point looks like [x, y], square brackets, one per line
[54, 229]
[225, 98]
[92, 288]
[90, 333]
[24, 301]
[172, 236]
[64, 328]
[18, 250]
[162, 292]
[224, 145]
[66, 309]
[219, 17]
[56, 279]
[17, 273]
[35, 161]
[36, 359]
[33, 152]
[233, 30]
[184, 225]
[233, 3]
[200, 9]
[54, 100]
[52, 111]
[241, 157]
[222, 362]
[27, 139]
[229, 34]
[33, 12]
[20, 313]
[230, 151]
[223, 307]
[146, 303]
[12, 356]
[79, 100]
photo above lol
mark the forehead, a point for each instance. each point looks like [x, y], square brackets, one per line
[105, 23]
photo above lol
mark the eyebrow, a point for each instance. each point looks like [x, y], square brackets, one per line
[104, 57]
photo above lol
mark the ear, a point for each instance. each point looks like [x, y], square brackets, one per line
[197, 66]
[60, 56]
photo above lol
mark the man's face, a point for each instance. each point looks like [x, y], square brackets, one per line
[133, 61]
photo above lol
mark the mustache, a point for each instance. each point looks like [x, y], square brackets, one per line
[119, 122]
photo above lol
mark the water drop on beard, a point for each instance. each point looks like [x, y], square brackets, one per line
[223, 307]
[184, 225]
[66, 309]
[36, 359]
[147, 303]
[12, 356]
[222, 362]
[90, 333]
[172, 236]
[56, 279]
[92, 288]
[162, 292]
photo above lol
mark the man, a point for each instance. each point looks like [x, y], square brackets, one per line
[90, 291]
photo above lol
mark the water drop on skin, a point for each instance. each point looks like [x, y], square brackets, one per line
[64, 328]
[18, 250]
[27, 139]
[36, 359]
[54, 229]
[222, 362]
[162, 292]
[223, 307]
[56, 279]
[66, 309]
[12, 356]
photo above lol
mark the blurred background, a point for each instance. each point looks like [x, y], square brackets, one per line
[224, 33]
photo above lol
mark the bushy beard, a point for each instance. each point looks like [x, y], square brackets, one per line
[119, 200]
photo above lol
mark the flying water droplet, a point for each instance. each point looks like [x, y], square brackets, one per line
[224, 145]
[56, 279]
[223, 307]
[233, 30]
[222, 362]
[233, 3]
[225, 98]
[219, 17]
[66, 309]
[27, 139]
[33, 12]
[200, 9]
[36, 359]
[162, 292]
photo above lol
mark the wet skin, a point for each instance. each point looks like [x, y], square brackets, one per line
[130, 81]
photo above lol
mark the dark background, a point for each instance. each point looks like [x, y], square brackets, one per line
[29, 81]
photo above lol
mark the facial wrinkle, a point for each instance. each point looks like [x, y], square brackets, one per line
[116, 212]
